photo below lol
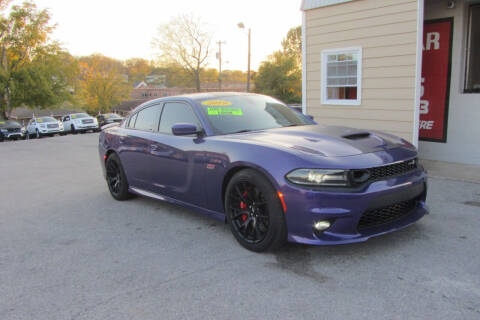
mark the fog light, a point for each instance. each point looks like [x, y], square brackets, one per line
[321, 225]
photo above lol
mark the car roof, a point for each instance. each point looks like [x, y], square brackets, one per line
[194, 97]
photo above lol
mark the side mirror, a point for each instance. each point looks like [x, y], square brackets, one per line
[185, 129]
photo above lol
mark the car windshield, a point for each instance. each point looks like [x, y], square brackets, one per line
[243, 113]
[46, 119]
[80, 115]
[9, 123]
[111, 116]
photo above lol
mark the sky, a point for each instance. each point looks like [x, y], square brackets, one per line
[124, 29]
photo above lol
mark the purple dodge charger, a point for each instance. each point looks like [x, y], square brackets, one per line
[271, 173]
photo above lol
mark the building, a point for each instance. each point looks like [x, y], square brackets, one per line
[408, 67]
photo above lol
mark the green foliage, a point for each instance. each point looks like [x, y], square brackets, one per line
[281, 75]
[102, 83]
[34, 71]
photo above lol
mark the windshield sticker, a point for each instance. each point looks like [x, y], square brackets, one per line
[216, 103]
[224, 111]
[39, 120]
[2, 122]
[74, 116]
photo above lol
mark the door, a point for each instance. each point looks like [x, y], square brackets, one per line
[178, 161]
[32, 126]
[135, 145]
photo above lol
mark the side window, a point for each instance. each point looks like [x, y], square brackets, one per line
[131, 122]
[174, 113]
[147, 119]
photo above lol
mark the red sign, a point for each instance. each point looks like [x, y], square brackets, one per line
[437, 51]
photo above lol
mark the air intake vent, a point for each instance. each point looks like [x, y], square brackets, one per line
[357, 136]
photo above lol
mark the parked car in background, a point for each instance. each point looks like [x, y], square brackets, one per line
[44, 126]
[79, 122]
[271, 173]
[11, 130]
[109, 118]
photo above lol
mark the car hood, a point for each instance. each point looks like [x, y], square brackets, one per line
[328, 141]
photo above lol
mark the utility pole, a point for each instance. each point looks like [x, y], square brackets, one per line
[242, 26]
[219, 57]
[248, 71]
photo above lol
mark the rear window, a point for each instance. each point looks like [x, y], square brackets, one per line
[243, 113]
[46, 119]
[80, 115]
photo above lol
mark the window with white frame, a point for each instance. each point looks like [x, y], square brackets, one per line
[341, 76]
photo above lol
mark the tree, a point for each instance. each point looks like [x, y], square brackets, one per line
[102, 84]
[280, 77]
[183, 41]
[30, 61]
[292, 44]
[138, 69]
[281, 74]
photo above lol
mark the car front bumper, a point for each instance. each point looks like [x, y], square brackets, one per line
[344, 210]
[13, 135]
[50, 130]
[86, 127]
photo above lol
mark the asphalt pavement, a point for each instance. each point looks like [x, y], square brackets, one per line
[69, 251]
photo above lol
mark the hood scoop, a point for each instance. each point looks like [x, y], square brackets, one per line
[357, 136]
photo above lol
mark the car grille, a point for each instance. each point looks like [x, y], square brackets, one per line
[87, 121]
[52, 125]
[377, 217]
[14, 130]
[379, 173]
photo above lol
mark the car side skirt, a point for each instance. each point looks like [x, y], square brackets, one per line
[214, 214]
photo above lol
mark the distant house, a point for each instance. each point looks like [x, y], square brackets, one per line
[140, 85]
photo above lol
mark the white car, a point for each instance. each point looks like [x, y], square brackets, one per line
[44, 126]
[79, 122]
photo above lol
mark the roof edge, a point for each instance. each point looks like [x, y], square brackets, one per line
[313, 4]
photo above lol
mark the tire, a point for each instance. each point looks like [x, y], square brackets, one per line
[38, 135]
[254, 212]
[73, 131]
[116, 178]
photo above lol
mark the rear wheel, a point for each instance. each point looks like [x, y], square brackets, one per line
[254, 212]
[116, 179]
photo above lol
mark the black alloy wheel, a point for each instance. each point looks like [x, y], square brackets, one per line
[254, 212]
[116, 179]
[249, 212]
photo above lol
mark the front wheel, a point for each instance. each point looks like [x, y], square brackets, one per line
[116, 179]
[254, 212]
[38, 135]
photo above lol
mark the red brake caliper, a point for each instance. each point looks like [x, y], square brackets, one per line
[243, 206]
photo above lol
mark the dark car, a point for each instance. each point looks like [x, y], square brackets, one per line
[272, 174]
[109, 118]
[12, 130]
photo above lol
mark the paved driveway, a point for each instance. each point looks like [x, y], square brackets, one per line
[69, 251]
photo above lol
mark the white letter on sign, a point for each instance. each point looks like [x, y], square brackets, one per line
[433, 38]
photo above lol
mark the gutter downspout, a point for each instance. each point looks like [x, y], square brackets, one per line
[304, 63]
[418, 72]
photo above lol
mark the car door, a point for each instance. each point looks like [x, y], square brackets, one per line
[31, 127]
[66, 123]
[135, 146]
[178, 161]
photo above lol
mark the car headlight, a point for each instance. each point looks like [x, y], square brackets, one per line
[319, 177]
